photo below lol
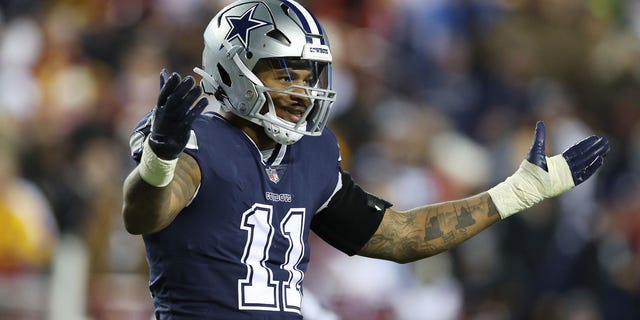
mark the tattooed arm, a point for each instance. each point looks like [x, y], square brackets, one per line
[422, 232]
[148, 209]
[406, 236]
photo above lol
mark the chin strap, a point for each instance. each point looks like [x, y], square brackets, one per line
[276, 128]
[279, 133]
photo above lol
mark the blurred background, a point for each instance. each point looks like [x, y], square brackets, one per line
[437, 100]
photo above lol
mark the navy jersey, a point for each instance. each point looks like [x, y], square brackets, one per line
[239, 250]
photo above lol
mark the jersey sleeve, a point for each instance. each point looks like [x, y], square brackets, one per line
[143, 129]
[350, 218]
[139, 134]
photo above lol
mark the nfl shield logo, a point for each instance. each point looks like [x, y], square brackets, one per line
[273, 175]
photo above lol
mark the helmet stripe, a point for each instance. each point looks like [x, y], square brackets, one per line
[320, 31]
[309, 22]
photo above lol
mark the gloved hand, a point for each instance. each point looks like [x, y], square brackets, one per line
[540, 177]
[174, 114]
[170, 129]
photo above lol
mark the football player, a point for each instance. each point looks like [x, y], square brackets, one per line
[225, 201]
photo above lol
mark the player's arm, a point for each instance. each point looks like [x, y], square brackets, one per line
[166, 179]
[406, 236]
[147, 208]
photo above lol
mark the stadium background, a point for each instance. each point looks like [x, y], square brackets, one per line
[436, 100]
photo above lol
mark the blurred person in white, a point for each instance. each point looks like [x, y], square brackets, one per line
[20, 48]
[225, 201]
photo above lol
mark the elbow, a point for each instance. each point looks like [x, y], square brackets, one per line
[404, 260]
[144, 218]
[133, 229]
[131, 226]
[402, 256]
[412, 257]
[399, 259]
[133, 223]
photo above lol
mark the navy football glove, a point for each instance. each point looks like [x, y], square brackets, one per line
[583, 158]
[537, 153]
[540, 177]
[174, 114]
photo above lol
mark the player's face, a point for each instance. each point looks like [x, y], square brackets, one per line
[289, 107]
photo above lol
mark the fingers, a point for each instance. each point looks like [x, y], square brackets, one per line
[579, 148]
[168, 87]
[586, 156]
[599, 148]
[177, 98]
[196, 110]
[537, 155]
[584, 152]
[193, 93]
[183, 88]
[184, 95]
[164, 76]
[584, 174]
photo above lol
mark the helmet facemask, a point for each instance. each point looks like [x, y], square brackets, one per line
[310, 98]
[298, 97]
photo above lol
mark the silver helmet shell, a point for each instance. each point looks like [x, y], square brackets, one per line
[248, 31]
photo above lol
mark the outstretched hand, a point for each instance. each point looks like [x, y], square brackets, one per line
[540, 177]
[174, 113]
[583, 158]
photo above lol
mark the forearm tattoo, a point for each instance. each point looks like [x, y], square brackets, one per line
[425, 231]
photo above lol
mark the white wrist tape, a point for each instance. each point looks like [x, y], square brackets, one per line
[530, 184]
[153, 170]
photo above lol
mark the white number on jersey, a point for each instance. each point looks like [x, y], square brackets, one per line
[258, 290]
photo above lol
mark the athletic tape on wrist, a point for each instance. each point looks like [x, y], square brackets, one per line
[530, 184]
[153, 170]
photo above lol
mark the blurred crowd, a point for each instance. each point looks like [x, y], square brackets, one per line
[437, 100]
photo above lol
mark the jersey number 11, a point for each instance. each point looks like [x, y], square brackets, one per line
[258, 290]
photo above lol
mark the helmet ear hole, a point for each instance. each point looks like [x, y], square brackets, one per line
[284, 8]
[278, 35]
[224, 75]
